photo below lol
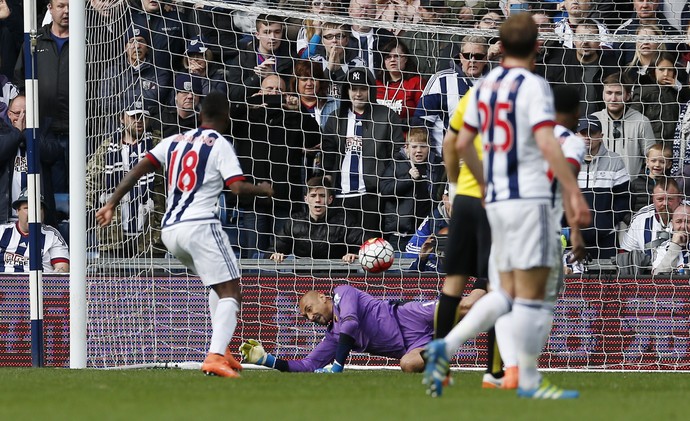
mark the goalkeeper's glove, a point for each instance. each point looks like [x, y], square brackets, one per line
[253, 352]
[335, 368]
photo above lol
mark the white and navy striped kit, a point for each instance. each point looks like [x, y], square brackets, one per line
[573, 147]
[14, 248]
[438, 102]
[197, 164]
[352, 175]
[506, 108]
[644, 228]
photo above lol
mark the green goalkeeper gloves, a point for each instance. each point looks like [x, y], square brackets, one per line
[253, 352]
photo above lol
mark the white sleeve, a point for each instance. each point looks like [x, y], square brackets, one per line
[471, 116]
[666, 258]
[574, 148]
[540, 101]
[228, 164]
[160, 151]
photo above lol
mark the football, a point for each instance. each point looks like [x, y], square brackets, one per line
[376, 255]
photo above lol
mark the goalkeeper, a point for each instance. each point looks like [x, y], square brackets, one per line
[356, 321]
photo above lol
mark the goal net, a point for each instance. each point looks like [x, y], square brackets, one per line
[149, 63]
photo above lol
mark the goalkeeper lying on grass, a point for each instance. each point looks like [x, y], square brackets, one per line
[356, 321]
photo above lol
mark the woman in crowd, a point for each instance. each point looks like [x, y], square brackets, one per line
[660, 99]
[399, 86]
[312, 90]
[646, 52]
[309, 36]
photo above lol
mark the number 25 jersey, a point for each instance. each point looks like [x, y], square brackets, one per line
[506, 108]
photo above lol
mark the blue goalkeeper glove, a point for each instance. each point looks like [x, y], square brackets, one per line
[253, 352]
[335, 368]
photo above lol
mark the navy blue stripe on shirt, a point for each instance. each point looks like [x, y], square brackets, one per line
[648, 226]
[513, 181]
[176, 193]
[204, 153]
[492, 152]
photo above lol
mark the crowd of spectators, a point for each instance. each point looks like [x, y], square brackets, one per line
[360, 109]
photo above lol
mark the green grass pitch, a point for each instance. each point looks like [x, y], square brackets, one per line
[62, 394]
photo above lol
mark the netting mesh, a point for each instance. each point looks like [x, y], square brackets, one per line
[158, 59]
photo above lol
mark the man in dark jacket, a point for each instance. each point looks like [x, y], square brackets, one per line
[184, 115]
[52, 73]
[320, 232]
[358, 142]
[166, 31]
[270, 142]
[267, 54]
[584, 67]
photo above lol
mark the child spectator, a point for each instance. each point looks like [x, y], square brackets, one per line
[407, 187]
[658, 165]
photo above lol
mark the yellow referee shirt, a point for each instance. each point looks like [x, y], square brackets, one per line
[467, 184]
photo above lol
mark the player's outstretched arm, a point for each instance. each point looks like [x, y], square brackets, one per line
[253, 352]
[345, 345]
[105, 213]
[242, 188]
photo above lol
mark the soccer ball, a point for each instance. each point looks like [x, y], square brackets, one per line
[376, 255]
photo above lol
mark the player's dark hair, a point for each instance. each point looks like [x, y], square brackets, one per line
[215, 107]
[566, 99]
[518, 35]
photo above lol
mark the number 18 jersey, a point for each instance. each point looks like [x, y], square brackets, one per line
[197, 164]
[508, 105]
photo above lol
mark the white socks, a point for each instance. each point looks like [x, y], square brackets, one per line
[480, 318]
[213, 302]
[224, 322]
[530, 321]
[505, 337]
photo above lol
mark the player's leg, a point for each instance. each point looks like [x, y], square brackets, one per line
[212, 257]
[532, 320]
[505, 340]
[461, 258]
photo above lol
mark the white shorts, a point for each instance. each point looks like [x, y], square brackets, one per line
[205, 249]
[522, 234]
[554, 282]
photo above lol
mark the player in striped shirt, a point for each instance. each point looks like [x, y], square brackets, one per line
[513, 110]
[198, 164]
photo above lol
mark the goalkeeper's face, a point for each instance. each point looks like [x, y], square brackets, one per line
[316, 308]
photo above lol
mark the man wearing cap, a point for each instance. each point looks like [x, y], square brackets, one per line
[136, 232]
[198, 60]
[184, 115]
[358, 142]
[604, 182]
[14, 243]
[140, 78]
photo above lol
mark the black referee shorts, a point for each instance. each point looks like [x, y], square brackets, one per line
[469, 239]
